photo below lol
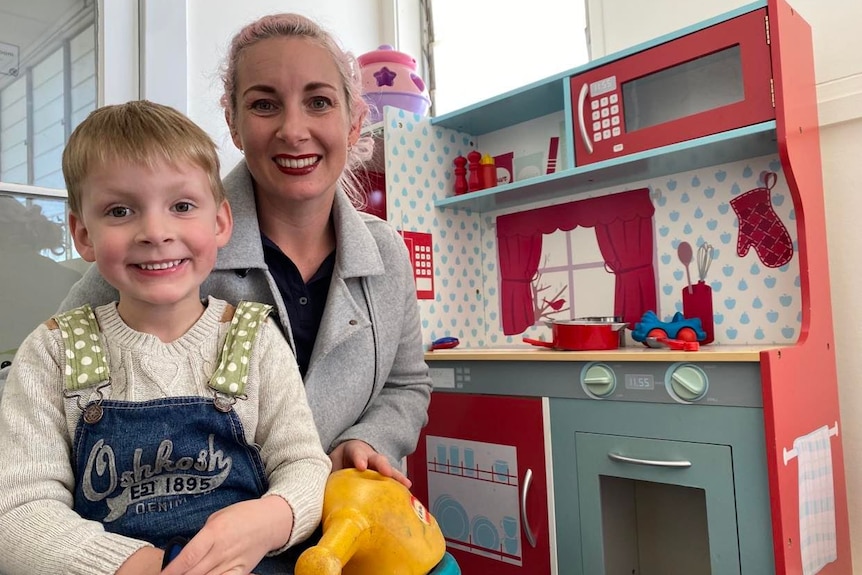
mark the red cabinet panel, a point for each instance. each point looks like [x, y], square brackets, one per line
[477, 460]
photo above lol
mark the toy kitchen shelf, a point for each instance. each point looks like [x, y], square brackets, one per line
[748, 142]
[554, 94]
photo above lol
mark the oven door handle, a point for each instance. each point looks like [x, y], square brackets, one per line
[525, 522]
[650, 462]
[582, 124]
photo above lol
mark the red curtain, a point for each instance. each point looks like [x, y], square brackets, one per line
[519, 260]
[623, 224]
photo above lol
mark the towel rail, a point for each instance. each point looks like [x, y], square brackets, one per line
[791, 453]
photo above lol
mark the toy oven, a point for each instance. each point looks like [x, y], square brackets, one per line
[709, 81]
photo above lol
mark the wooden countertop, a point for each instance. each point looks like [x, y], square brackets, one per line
[709, 353]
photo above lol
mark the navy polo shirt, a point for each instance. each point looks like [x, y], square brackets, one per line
[305, 302]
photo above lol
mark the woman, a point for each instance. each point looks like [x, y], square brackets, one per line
[340, 280]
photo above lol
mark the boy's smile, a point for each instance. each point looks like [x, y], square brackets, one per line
[154, 232]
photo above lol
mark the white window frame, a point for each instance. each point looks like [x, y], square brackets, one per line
[118, 70]
[70, 30]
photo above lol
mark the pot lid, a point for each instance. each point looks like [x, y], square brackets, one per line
[614, 325]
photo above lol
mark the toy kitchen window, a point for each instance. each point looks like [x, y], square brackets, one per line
[709, 81]
[624, 232]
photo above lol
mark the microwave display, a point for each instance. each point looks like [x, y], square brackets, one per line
[702, 84]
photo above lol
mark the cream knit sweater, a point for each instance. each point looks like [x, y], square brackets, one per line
[39, 532]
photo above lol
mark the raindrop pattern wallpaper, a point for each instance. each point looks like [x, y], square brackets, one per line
[752, 303]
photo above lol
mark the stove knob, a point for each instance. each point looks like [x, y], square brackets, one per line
[598, 380]
[686, 383]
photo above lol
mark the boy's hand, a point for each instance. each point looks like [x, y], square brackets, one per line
[235, 539]
[144, 561]
[358, 454]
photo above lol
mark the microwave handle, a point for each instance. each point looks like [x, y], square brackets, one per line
[585, 137]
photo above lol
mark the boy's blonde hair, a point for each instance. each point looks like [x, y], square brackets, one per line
[139, 132]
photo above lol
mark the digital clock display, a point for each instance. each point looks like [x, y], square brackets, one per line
[603, 86]
[639, 382]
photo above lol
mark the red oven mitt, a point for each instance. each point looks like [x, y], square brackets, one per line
[759, 226]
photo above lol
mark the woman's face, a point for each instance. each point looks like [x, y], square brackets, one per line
[291, 120]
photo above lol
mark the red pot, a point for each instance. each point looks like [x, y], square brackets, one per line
[582, 335]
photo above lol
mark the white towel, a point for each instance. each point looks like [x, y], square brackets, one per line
[816, 500]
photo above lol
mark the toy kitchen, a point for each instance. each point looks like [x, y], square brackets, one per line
[675, 190]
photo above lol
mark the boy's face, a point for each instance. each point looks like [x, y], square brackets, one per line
[153, 232]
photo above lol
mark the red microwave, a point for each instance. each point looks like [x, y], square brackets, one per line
[709, 81]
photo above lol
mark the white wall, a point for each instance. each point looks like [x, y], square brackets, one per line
[163, 52]
[618, 24]
[841, 146]
[118, 51]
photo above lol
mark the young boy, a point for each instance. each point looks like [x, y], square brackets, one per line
[158, 415]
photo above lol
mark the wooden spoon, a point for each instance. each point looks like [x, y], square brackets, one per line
[685, 254]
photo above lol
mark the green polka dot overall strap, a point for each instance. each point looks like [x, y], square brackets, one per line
[86, 362]
[231, 375]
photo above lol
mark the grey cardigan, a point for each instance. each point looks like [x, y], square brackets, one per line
[367, 378]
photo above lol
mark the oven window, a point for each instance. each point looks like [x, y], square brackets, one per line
[695, 86]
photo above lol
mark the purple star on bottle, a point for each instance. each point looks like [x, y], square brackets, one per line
[384, 76]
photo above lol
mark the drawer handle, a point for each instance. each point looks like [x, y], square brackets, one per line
[582, 123]
[525, 522]
[651, 462]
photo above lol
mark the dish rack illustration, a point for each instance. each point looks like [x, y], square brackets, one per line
[499, 472]
[474, 494]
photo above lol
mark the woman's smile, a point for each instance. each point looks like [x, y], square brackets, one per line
[298, 165]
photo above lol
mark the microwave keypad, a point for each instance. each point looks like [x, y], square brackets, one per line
[605, 114]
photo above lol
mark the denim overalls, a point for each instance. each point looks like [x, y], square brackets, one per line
[156, 469]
